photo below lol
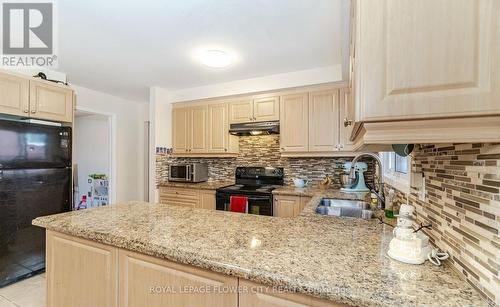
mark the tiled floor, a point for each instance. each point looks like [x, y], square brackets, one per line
[27, 293]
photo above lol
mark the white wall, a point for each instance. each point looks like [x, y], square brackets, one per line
[91, 148]
[129, 117]
[319, 75]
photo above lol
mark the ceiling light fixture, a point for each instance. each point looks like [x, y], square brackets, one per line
[216, 58]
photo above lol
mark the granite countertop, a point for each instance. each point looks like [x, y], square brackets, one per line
[339, 259]
[207, 185]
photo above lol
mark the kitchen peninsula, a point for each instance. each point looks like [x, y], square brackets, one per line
[168, 255]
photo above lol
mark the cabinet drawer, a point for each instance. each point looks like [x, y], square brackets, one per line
[179, 193]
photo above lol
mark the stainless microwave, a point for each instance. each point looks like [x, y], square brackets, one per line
[194, 172]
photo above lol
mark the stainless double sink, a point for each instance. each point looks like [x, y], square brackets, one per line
[344, 208]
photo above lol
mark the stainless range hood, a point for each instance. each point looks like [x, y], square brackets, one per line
[259, 128]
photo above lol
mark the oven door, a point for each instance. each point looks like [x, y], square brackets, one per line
[257, 204]
[180, 173]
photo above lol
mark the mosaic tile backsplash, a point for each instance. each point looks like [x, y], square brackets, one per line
[462, 202]
[265, 151]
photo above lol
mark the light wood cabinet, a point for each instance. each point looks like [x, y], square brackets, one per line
[426, 59]
[51, 101]
[188, 197]
[294, 130]
[266, 109]
[80, 273]
[324, 120]
[311, 125]
[259, 296]
[198, 117]
[347, 115]
[202, 130]
[207, 199]
[141, 276]
[286, 206]
[180, 130]
[14, 95]
[241, 111]
[24, 96]
[304, 200]
[254, 109]
[219, 139]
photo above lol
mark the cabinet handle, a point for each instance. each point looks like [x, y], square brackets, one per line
[282, 148]
[33, 111]
[225, 149]
[250, 118]
[347, 122]
[26, 111]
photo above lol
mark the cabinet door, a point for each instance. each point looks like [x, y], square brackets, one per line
[265, 109]
[207, 199]
[180, 130]
[427, 58]
[262, 296]
[51, 102]
[241, 111]
[286, 206]
[153, 282]
[346, 120]
[14, 95]
[304, 200]
[80, 273]
[218, 128]
[323, 120]
[198, 129]
[294, 130]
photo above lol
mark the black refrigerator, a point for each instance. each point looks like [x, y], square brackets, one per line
[35, 180]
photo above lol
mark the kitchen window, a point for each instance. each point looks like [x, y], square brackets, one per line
[397, 170]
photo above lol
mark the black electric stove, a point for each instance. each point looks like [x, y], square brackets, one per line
[255, 183]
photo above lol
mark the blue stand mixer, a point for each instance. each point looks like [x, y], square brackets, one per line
[354, 185]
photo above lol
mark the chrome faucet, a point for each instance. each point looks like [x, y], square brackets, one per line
[352, 174]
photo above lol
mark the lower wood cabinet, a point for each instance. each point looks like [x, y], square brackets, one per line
[289, 205]
[255, 295]
[83, 273]
[189, 197]
[153, 282]
[80, 273]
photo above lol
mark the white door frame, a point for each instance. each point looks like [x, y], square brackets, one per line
[112, 152]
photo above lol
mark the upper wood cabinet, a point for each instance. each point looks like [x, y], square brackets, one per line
[51, 101]
[241, 111]
[311, 124]
[257, 109]
[24, 96]
[198, 117]
[426, 59]
[180, 130]
[347, 114]
[202, 130]
[217, 127]
[294, 130]
[324, 120]
[265, 109]
[14, 95]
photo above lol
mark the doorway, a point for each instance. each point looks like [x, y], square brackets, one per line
[93, 149]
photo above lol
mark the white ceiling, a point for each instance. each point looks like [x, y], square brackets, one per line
[124, 47]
